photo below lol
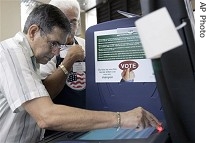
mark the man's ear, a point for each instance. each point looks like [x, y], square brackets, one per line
[32, 31]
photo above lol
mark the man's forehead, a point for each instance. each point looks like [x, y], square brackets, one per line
[58, 34]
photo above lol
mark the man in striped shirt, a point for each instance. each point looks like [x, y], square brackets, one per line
[25, 105]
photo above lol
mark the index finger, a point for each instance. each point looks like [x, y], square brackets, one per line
[152, 119]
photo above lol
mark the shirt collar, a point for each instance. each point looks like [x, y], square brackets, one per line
[22, 40]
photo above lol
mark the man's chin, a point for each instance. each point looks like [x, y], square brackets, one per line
[43, 61]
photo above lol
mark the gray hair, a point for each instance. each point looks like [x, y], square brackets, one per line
[47, 17]
[66, 4]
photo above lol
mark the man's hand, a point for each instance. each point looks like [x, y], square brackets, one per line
[128, 75]
[75, 53]
[138, 118]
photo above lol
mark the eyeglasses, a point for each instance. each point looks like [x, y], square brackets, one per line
[74, 22]
[53, 44]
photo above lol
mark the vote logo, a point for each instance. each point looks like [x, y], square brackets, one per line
[132, 65]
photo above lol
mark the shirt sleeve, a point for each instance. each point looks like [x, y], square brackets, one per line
[48, 69]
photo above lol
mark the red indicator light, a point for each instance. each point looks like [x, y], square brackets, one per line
[159, 128]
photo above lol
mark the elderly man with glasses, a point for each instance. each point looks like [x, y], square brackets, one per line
[68, 89]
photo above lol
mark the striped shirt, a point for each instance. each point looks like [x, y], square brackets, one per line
[19, 82]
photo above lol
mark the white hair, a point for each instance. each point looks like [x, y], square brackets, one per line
[66, 4]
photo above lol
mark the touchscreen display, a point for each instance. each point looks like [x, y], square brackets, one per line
[112, 133]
